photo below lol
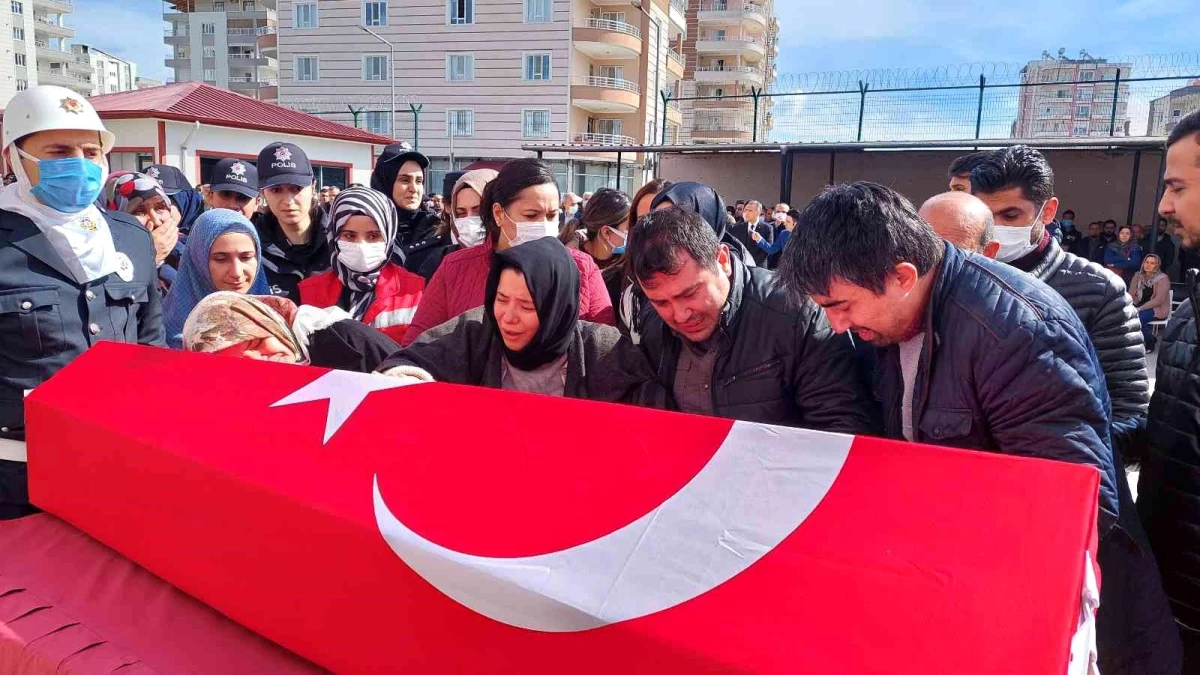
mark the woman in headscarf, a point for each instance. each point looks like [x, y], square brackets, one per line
[224, 254]
[528, 337]
[400, 175]
[1151, 293]
[362, 280]
[702, 199]
[519, 206]
[461, 224]
[267, 328]
[145, 199]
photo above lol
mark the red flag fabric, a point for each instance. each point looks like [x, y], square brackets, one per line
[372, 527]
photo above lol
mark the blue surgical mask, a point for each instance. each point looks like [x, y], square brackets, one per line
[1067, 222]
[619, 250]
[68, 185]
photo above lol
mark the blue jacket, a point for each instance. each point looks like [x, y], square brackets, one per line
[1007, 366]
[47, 319]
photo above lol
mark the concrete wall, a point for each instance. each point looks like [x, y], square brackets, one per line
[1094, 184]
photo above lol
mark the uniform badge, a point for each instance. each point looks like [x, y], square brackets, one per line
[89, 224]
[124, 267]
[71, 105]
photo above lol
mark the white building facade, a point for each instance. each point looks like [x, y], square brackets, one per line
[110, 74]
[225, 43]
[36, 41]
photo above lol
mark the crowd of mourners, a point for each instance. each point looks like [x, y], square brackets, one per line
[985, 319]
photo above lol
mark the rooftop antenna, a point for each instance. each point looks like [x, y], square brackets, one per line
[1046, 55]
[1062, 53]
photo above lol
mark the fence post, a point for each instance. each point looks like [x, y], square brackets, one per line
[1112, 119]
[666, 100]
[756, 92]
[862, 104]
[355, 113]
[979, 107]
[416, 112]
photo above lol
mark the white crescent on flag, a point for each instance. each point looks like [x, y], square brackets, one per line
[756, 490]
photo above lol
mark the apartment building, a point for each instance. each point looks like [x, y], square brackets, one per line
[487, 77]
[35, 36]
[110, 74]
[1167, 111]
[1067, 98]
[225, 43]
[730, 51]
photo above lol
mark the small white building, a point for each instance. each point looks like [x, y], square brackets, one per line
[192, 125]
[112, 73]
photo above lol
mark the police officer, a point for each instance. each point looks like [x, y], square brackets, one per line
[233, 185]
[70, 274]
[294, 245]
[400, 174]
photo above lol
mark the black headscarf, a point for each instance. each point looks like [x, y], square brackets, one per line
[411, 226]
[697, 198]
[553, 281]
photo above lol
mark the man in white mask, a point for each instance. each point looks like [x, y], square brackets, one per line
[70, 274]
[1017, 184]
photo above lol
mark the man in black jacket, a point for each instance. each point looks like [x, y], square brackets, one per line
[974, 354]
[1018, 185]
[1169, 484]
[725, 342]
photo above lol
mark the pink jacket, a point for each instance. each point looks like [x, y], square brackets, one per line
[459, 284]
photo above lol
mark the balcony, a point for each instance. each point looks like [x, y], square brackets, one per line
[64, 78]
[242, 36]
[176, 36]
[724, 103]
[269, 93]
[267, 39]
[677, 14]
[257, 14]
[726, 134]
[676, 64]
[674, 114]
[748, 46]
[252, 61]
[46, 26]
[603, 139]
[607, 40]
[732, 12]
[179, 62]
[605, 95]
[729, 75]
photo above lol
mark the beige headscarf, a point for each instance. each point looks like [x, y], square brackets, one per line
[225, 319]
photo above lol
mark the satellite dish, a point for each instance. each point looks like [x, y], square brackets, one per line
[1062, 52]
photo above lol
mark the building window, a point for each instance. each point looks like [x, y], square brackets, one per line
[535, 123]
[210, 75]
[375, 67]
[1081, 129]
[307, 69]
[374, 13]
[17, 8]
[460, 12]
[378, 122]
[305, 15]
[539, 11]
[208, 29]
[460, 123]
[18, 33]
[460, 67]
[611, 127]
[1082, 112]
[210, 52]
[219, 6]
[22, 85]
[1085, 94]
[20, 58]
[1176, 112]
[537, 67]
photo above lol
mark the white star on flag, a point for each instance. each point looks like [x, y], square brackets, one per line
[345, 391]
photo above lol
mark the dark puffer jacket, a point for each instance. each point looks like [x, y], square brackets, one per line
[1007, 366]
[779, 362]
[1107, 312]
[1169, 485]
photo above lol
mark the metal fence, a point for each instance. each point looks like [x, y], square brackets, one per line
[1049, 98]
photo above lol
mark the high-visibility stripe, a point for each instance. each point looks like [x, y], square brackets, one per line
[395, 317]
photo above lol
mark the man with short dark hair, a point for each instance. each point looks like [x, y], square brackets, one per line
[1110, 230]
[1169, 484]
[960, 170]
[1018, 185]
[726, 342]
[975, 354]
[963, 220]
[1068, 234]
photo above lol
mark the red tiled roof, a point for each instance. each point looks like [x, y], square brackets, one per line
[204, 103]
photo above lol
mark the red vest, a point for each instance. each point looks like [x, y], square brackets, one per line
[397, 293]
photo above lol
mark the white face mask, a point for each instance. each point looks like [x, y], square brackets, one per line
[1014, 241]
[570, 210]
[470, 230]
[362, 257]
[532, 230]
[780, 216]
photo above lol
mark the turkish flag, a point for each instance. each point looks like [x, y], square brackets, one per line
[372, 527]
